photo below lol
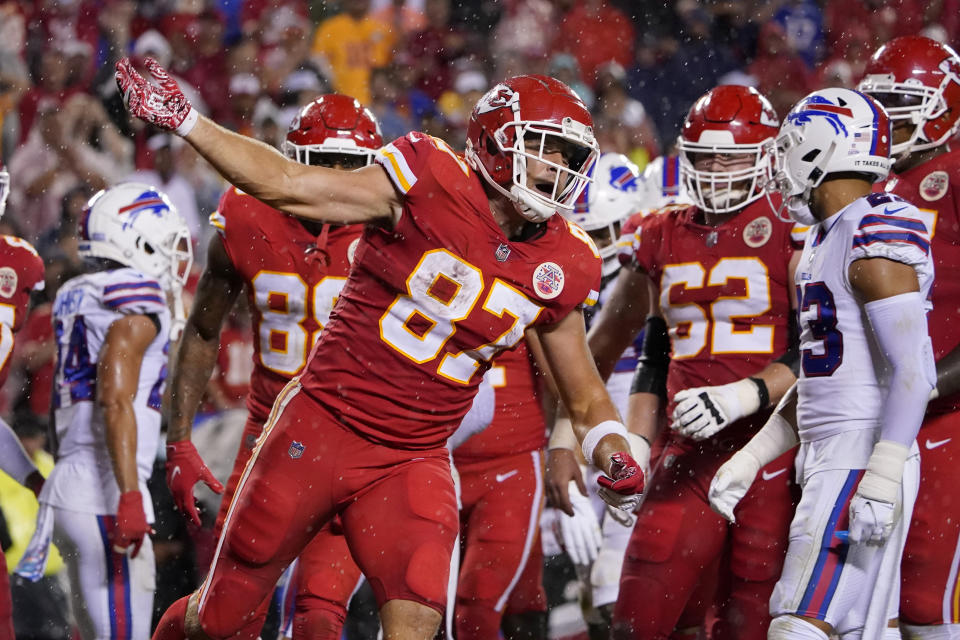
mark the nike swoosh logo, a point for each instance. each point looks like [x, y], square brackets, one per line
[173, 474]
[509, 474]
[939, 443]
[770, 475]
[888, 212]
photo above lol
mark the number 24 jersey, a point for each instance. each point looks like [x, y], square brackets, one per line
[430, 302]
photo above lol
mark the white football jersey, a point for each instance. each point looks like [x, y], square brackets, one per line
[83, 311]
[843, 377]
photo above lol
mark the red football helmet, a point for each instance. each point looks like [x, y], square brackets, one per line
[729, 120]
[917, 79]
[4, 188]
[529, 117]
[333, 124]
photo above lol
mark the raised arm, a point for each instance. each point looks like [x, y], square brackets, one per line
[317, 193]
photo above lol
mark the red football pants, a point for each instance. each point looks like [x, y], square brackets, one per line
[679, 546]
[398, 509]
[929, 587]
[500, 516]
[325, 575]
[6, 603]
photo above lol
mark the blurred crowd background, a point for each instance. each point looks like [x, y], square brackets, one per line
[418, 64]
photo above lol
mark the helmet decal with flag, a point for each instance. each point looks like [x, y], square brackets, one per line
[830, 131]
[333, 124]
[728, 120]
[917, 80]
[614, 194]
[529, 117]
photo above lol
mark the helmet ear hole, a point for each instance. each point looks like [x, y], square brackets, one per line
[491, 146]
[811, 155]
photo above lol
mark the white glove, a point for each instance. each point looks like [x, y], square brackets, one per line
[700, 412]
[731, 483]
[875, 507]
[871, 521]
[580, 533]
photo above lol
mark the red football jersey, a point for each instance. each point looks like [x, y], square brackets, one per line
[21, 272]
[293, 280]
[518, 420]
[724, 293]
[934, 187]
[430, 303]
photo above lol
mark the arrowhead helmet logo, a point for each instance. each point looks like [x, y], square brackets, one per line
[499, 97]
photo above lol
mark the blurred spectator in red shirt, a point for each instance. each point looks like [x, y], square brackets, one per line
[209, 72]
[883, 19]
[595, 33]
[50, 86]
[435, 47]
[781, 74]
[285, 47]
[256, 15]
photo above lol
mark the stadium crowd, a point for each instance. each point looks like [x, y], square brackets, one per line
[420, 65]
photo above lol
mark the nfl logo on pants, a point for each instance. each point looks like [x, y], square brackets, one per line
[295, 450]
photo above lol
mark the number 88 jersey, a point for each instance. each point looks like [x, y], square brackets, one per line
[430, 302]
[293, 279]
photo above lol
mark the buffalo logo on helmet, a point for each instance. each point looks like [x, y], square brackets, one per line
[548, 280]
[934, 186]
[622, 178]
[296, 449]
[820, 106]
[8, 282]
[758, 232]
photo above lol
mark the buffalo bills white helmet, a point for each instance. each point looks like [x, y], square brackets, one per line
[831, 131]
[135, 224]
[614, 193]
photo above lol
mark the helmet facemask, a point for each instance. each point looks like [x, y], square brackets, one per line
[910, 101]
[555, 189]
[4, 190]
[724, 191]
[330, 153]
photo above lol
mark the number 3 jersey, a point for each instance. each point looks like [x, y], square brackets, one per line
[842, 384]
[430, 302]
[21, 272]
[725, 295]
[83, 311]
[293, 279]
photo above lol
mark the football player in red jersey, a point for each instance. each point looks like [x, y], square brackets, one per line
[501, 495]
[458, 258]
[293, 271]
[717, 279]
[21, 272]
[918, 81]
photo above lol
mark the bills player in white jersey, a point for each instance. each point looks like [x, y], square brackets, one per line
[867, 369]
[112, 327]
[594, 537]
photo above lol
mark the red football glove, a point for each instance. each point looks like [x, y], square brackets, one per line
[184, 469]
[624, 489]
[131, 524]
[164, 106]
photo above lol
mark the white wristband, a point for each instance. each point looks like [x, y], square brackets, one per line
[188, 123]
[884, 472]
[773, 440]
[597, 433]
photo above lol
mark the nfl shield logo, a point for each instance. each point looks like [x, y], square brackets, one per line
[503, 252]
[296, 449]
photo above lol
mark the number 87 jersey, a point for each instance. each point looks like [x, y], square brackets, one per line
[293, 279]
[430, 302]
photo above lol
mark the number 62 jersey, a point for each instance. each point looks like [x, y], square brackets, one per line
[842, 386]
[430, 302]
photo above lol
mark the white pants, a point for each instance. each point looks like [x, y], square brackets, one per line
[605, 571]
[111, 593]
[845, 585]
